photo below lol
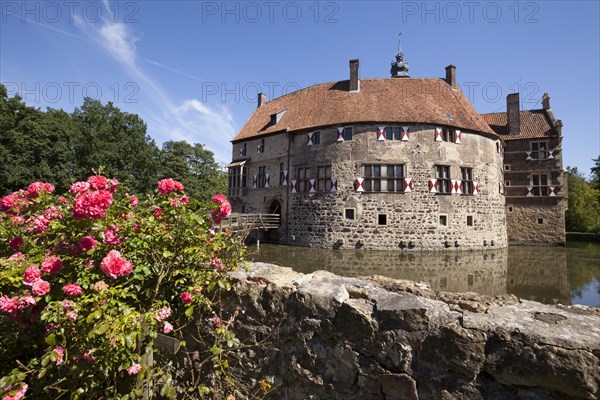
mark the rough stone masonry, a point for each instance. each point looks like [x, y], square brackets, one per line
[322, 336]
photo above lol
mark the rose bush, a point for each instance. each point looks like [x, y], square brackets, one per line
[88, 282]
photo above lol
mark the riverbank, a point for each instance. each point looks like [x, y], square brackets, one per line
[583, 237]
[322, 336]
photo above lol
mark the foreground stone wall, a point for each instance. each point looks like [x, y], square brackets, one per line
[321, 336]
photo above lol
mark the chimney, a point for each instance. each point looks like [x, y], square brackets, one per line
[262, 99]
[546, 101]
[513, 114]
[451, 75]
[354, 84]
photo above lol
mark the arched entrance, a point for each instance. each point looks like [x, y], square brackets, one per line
[272, 235]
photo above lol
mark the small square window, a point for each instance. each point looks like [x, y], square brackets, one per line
[443, 220]
[507, 167]
[349, 213]
[540, 221]
[506, 183]
[382, 219]
[510, 209]
[469, 220]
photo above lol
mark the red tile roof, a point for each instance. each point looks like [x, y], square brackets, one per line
[391, 100]
[534, 124]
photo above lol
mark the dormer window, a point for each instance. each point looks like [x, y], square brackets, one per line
[275, 118]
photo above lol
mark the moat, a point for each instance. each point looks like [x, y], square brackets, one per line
[550, 275]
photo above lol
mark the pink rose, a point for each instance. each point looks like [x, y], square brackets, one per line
[9, 305]
[163, 314]
[32, 274]
[79, 187]
[67, 304]
[97, 182]
[51, 265]
[114, 266]
[133, 201]
[185, 200]
[87, 243]
[111, 237]
[186, 297]
[26, 301]
[167, 328]
[72, 289]
[134, 369]
[92, 205]
[36, 188]
[15, 242]
[60, 354]
[157, 212]
[40, 287]
[217, 264]
[18, 395]
[219, 199]
[169, 185]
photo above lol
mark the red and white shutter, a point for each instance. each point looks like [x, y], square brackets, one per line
[457, 136]
[551, 153]
[408, 185]
[267, 180]
[294, 186]
[404, 133]
[333, 185]
[528, 155]
[340, 137]
[310, 142]
[285, 178]
[529, 190]
[254, 181]
[438, 134]
[456, 186]
[433, 186]
[381, 133]
[475, 187]
[359, 184]
[552, 190]
[241, 152]
[312, 189]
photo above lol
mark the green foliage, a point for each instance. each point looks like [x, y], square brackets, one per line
[89, 342]
[583, 214]
[58, 147]
[195, 167]
[595, 178]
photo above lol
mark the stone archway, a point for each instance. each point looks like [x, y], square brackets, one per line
[272, 235]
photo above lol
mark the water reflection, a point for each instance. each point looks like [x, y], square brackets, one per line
[536, 273]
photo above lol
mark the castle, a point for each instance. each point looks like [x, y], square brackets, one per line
[400, 163]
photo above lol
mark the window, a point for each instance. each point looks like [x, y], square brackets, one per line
[238, 177]
[392, 133]
[507, 167]
[316, 138]
[510, 209]
[466, 175]
[261, 177]
[384, 178]
[273, 119]
[442, 174]
[540, 221]
[469, 220]
[323, 179]
[281, 174]
[448, 135]
[349, 213]
[443, 220]
[382, 219]
[539, 150]
[348, 133]
[303, 178]
[506, 183]
[539, 185]
[261, 147]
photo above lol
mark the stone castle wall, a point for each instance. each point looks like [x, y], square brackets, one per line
[318, 219]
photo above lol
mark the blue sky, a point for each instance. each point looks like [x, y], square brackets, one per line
[191, 69]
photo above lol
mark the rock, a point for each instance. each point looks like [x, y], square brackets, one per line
[399, 386]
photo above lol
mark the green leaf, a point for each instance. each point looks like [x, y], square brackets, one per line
[189, 311]
[101, 329]
[95, 315]
[51, 340]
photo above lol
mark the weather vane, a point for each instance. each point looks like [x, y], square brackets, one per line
[399, 47]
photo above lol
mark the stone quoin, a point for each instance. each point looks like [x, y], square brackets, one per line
[400, 163]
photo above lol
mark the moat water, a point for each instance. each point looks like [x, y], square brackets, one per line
[566, 275]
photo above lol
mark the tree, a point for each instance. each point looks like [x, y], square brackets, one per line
[195, 167]
[583, 214]
[34, 145]
[595, 178]
[117, 141]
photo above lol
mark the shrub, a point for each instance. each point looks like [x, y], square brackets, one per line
[88, 282]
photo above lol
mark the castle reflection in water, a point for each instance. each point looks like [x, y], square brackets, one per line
[535, 273]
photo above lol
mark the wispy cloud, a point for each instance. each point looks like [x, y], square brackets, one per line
[190, 119]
